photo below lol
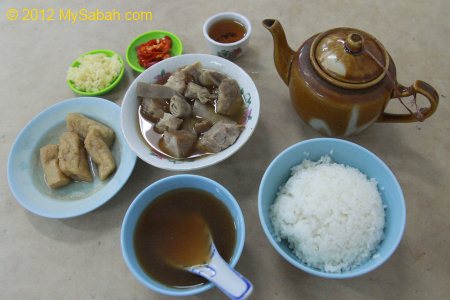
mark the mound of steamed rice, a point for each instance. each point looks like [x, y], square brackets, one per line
[95, 72]
[330, 214]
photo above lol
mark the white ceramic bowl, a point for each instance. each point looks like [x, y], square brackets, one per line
[130, 105]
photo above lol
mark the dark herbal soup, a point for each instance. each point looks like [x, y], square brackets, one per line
[227, 31]
[202, 119]
[154, 137]
[173, 231]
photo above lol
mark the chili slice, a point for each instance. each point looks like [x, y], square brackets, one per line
[153, 51]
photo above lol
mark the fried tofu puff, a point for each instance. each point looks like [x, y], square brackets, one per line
[81, 125]
[72, 157]
[100, 153]
[50, 163]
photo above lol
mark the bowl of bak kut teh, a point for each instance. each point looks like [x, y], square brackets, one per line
[190, 111]
[158, 229]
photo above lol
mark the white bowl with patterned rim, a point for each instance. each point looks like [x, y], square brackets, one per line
[130, 106]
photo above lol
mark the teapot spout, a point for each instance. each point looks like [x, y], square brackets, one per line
[282, 53]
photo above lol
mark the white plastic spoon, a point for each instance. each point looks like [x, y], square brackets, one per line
[228, 280]
[209, 264]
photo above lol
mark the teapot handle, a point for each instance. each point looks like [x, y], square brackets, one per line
[420, 87]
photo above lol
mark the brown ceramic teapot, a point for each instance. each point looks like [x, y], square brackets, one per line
[341, 80]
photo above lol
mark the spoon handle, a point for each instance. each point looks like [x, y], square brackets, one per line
[228, 280]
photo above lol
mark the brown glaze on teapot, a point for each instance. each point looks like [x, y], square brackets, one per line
[341, 80]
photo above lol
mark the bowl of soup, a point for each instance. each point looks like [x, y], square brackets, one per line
[161, 214]
[189, 112]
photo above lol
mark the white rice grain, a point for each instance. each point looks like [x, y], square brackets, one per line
[331, 215]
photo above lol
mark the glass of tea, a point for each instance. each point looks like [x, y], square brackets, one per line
[227, 34]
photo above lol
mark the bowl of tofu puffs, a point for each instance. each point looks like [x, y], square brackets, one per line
[70, 159]
[189, 112]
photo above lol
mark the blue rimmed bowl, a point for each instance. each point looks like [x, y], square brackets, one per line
[25, 173]
[342, 152]
[148, 196]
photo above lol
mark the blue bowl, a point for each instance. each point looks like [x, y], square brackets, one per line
[342, 152]
[147, 196]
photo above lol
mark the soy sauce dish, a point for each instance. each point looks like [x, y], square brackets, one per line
[147, 224]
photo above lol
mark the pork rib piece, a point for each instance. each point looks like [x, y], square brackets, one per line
[219, 137]
[207, 112]
[153, 108]
[229, 95]
[210, 78]
[194, 90]
[177, 81]
[168, 122]
[193, 70]
[179, 143]
[155, 91]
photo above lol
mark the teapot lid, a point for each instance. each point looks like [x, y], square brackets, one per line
[349, 58]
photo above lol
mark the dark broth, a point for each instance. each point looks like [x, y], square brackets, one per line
[154, 138]
[227, 31]
[171, 232]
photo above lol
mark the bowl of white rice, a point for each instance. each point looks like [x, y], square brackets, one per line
[331, 208]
